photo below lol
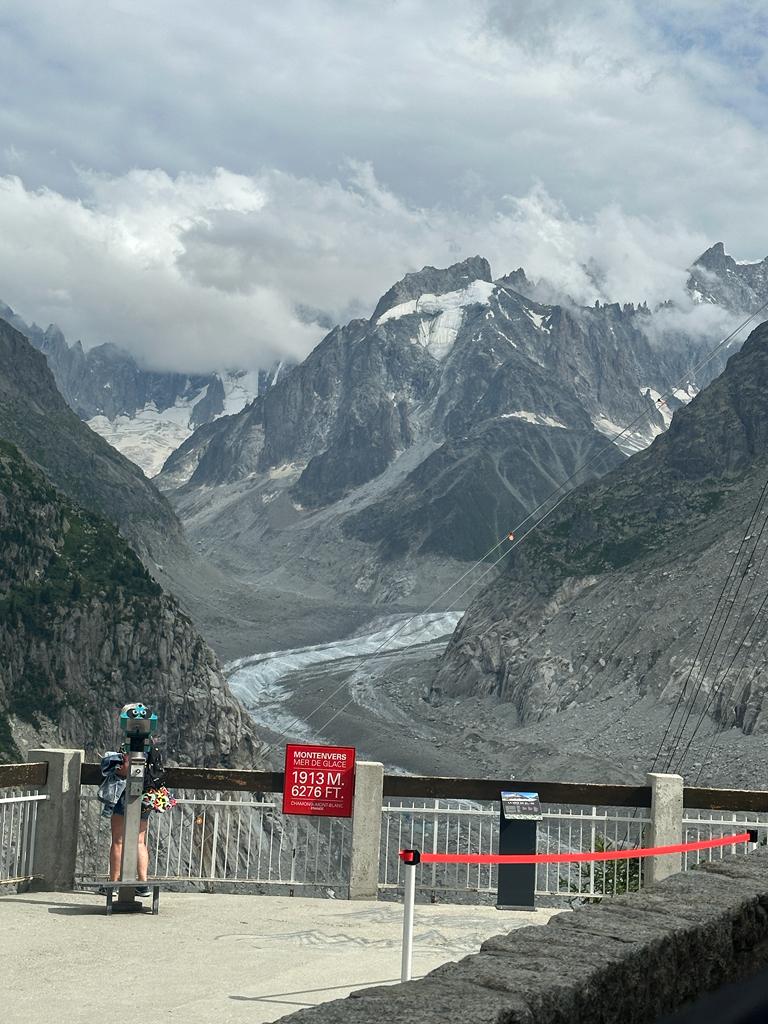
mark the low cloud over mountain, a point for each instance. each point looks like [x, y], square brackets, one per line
[221, 184]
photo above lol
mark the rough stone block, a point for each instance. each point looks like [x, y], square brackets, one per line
[627, 960]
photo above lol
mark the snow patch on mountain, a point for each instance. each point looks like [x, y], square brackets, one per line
[630, 442]
[686, 394]
[438, 335]
[477, 292]
[538, 320]
[533, 417]
[149, 437]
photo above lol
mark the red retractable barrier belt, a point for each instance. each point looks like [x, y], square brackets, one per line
[566, 858]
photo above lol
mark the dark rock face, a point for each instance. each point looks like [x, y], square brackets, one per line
[518, 282]
[616, 588]
[35, 417]
[628, 960]
[84, 629]
[360, 451]
[210, 406]
[717, 277]
[470, 492]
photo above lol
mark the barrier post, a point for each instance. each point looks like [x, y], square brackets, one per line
[366, 830]
[58, 820]
[410, 859]
[666, 824]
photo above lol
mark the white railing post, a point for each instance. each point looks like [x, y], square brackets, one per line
[366, 830]
[666, 824]
[58, 820]
[409, 901]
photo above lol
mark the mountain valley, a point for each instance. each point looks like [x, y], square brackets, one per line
[361, 484]
[614, 591]
[405, 446]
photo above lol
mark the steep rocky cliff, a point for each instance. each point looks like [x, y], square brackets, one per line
[85, 629]
[616, 589]
[34, 416]
[718, 278]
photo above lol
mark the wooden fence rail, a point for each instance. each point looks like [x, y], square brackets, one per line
[407, 786]
[23, 776]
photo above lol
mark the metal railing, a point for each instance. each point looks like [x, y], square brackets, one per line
[464, 827]
[704, 824]
[18, 829]
[228, 832]
[226, 839]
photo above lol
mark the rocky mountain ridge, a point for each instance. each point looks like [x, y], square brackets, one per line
[406, 444]
[719, 279]
[35, 417]
[613, 592]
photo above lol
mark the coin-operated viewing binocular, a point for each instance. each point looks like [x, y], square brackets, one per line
[138, 723]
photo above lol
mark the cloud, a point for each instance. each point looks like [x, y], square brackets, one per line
[108, 271]
[601, 102]
[196, 272]
[601, 145]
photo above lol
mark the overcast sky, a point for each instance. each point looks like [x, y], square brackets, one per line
[207, 184]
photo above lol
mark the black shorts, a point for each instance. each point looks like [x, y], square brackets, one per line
[119, 809]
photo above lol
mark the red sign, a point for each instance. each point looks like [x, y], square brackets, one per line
[319, 780]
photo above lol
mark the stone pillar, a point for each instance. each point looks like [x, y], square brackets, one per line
[666, 824]
[366, 830]
[58, 819]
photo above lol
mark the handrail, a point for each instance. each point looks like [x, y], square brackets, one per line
[224, 779]
[725, 799]
[16, 776]
[407, 786]
[488, 789]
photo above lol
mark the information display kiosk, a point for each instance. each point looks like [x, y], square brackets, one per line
[520, 813]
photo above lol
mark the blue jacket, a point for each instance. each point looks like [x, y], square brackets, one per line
[113, 787]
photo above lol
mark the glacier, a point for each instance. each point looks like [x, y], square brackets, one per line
[151, 435]
[260, 681]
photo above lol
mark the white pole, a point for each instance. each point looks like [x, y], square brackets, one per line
[408, 903]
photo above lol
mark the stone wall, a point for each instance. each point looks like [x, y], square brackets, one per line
[630, 959]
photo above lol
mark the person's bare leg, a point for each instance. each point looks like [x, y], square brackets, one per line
[116, 849]
[143, 857]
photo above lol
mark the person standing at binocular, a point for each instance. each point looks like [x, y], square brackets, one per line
[135, 772]
[114, 768]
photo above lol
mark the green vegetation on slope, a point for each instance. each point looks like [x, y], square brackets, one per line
[616, 525]
[76, 554]
[55, 559]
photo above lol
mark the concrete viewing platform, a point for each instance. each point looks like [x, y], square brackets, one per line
[212, 959]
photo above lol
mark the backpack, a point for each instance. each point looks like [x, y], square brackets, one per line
[154, 773]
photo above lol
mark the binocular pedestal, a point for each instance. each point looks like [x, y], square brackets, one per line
[129, 882]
